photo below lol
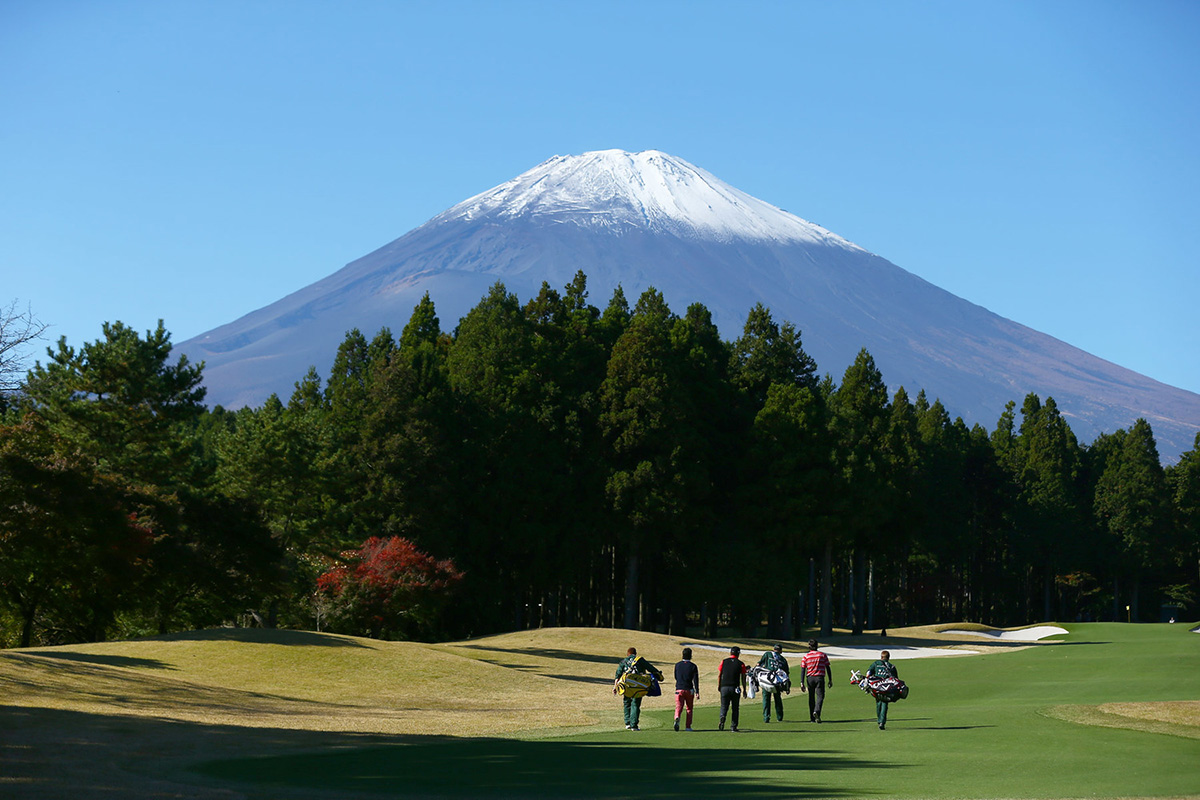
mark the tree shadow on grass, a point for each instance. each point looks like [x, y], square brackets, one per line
[107, 661]
[505, 768]
[62, 677]
[53, 754]
[583, 679]
[546, 652]
[942, 727]
[276, 636]
[119, 757]
[536, 669]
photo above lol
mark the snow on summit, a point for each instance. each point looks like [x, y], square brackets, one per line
[613, 189]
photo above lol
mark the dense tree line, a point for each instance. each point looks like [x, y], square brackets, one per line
[557, 464]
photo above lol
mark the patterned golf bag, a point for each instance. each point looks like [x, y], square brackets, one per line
[887, 689]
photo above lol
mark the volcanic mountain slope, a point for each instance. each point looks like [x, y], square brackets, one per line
[650, 219]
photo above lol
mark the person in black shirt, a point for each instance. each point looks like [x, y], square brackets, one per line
[731, 683]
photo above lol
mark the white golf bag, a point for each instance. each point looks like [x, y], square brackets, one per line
[770, 680]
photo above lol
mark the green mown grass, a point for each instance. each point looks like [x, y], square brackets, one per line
[987, 726]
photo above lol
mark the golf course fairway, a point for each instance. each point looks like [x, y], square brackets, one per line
[1106, 710]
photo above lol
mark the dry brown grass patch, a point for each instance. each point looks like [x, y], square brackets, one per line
[1176, 712]
[288, 680]
[1172, 718]
[515, 683]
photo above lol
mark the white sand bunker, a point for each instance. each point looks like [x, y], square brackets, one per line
[901, 652]
[895, 652]
[1024, 635]
[898, 652]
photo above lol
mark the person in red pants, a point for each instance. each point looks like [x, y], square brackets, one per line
[687, 688]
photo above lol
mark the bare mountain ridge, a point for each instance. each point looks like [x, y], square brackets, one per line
[649, 219]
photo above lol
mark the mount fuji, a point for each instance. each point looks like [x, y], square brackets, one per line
[650, 219]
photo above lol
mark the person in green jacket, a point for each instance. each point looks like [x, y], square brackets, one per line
[633, 705]
[773, 659]
[883, 668]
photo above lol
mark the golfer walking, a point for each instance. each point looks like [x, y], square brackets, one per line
[687, 687]
[814, 671]
[633, 705]
[883, 668]
[731, 682]
[773, 660]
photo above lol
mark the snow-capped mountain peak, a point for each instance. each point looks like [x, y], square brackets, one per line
[614, 189]
[640, 220]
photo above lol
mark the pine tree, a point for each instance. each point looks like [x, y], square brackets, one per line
[120, 401]
[126, 420]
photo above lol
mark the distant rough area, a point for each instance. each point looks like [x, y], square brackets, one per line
[650, 219]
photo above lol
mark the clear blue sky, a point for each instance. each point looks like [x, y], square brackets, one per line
[195, 161]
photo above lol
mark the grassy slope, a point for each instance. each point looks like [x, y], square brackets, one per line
[998, 725]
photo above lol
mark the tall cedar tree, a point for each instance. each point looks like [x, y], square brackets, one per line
[568, 359]
[492, 374]
[1133, 508]
[1183, 484]
[705, 475]
[1047, 462]
[901, 561]
[784, 471]
[859, 424]
[660, 426]
[407, 439]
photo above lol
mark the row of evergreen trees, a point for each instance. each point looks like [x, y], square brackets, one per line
[623, 467]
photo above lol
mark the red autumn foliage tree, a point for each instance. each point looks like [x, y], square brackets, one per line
[388, 588]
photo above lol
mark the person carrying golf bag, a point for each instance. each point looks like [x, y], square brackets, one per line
[777, 668]
[634, 679]
[883, 668]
